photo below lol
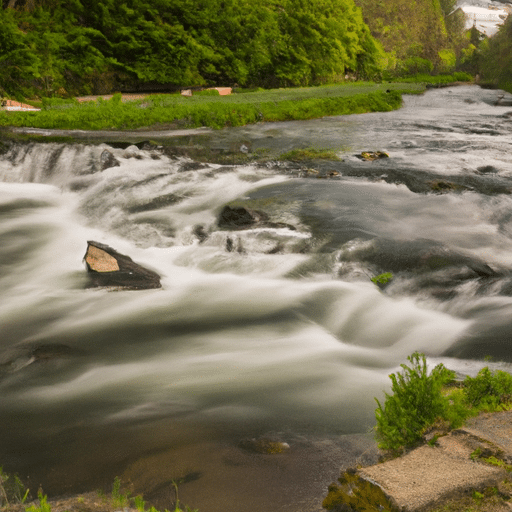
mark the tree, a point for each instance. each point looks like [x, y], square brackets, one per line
[496, 60]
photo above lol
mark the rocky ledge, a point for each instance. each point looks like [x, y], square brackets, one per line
[462, 464]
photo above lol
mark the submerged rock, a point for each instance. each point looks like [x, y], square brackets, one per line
[264, 445]
[108, 268]
[240, 217]
[373, 155]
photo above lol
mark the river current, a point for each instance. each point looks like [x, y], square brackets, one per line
[275, 331]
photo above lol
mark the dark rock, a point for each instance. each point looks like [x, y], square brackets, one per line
[20, 357]
[230, 245]
[442, 186]
[192, 166]
[108, 268]
[418, 256]
[200, 233]
[487, 169]
[239, 217]
[107, 160]
[156, 203]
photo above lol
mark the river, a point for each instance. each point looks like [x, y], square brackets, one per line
[273, 332]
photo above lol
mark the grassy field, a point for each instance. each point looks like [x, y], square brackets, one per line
[206, 109]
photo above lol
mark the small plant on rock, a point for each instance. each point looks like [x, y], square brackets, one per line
[416, 402]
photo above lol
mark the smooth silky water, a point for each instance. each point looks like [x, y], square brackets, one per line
[284, 337]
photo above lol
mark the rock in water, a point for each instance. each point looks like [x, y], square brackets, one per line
[373, 155]
[108, 268]
[240, 217]
[107, 160]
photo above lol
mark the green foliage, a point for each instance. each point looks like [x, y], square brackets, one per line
[416, 65]
[44, 506]
[496, 57]
[477, 495]
[119, 499]
[418, 37]
[448, 60]
[12, 489]
[299, 155]
[207, 92]
[212, 111]
[458, 76]
[420, 400]
[416, 402]
[92, 46]
[382, 279]
[489, 390]
[139, 503]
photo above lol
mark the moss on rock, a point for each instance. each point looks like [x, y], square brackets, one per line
[357, 494]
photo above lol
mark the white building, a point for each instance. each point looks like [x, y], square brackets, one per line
[486, 20]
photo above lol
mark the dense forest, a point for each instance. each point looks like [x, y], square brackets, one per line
[96, 46]
[52, 47]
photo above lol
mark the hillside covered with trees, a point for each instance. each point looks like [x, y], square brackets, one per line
[52, 47]
[419, 37]
[101, 45]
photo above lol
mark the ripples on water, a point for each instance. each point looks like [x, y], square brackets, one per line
[284, 334]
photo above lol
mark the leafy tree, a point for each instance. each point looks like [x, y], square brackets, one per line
[496, 61]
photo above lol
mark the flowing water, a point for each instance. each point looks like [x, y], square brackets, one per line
[275, 331]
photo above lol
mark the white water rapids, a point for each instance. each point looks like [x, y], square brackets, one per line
[285, 335]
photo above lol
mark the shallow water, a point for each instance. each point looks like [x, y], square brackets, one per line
[277, 332]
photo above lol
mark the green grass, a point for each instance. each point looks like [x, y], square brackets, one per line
[459, 76]
[13, 495]
[214, 111]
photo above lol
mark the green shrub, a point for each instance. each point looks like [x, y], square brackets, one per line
[44, 506]
[12, 490]
[382, 279]
[415, 404]
[448, 60]
[207, 92]
[414, 65]
[488, 390]
[462, 76]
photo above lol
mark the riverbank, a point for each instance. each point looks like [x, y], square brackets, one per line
[173, 111]
[467, 469]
